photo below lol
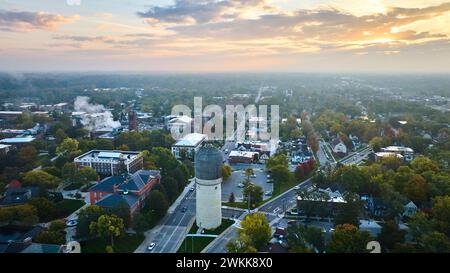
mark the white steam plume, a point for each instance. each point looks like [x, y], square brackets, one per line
[97, 118]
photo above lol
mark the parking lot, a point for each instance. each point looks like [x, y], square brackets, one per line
[238, 176]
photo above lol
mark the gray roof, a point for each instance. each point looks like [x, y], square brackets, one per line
[208, 163]
[133, 182]
[42, 248]
[114, 200]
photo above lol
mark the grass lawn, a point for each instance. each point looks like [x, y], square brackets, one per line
[241, 205]
[197, 243]
[201, 242]
[125, 244]
[68, 206]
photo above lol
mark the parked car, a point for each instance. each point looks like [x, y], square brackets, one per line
[184, 209]
[240, 185]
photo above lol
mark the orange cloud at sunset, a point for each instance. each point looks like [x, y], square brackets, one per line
[222, 33]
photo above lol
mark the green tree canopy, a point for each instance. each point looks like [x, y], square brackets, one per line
[41, 179]
[348, 239]
[257, 228]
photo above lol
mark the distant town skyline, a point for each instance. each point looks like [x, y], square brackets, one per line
[225, 35]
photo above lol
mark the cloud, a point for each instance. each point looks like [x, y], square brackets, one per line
[26, 21]
[206, 11]
[323, 28]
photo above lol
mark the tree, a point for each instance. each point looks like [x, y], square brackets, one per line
[25, 215]
[60, 135]
[434, 242]
[70, 173]
[46, 210]
[416, 189]
[350, 211]
[377, 143]
[299, 172]
[104, 144]
[391, 163]
[441, 213]
[422, 164]
[25, 121]
[85, 217]
[107, 226]
[348, 239]
[68, 148]
[242, 244]
[87, 175]
[171, 187]
[420, 224]
[124, 147]
[249, 172]
[55, 234]
[157, 203]
[257, 228]
[391, 235]
[143, 221]
[164, 159]
[281, 175]
[232, 198]
[181, 175]
[253, 194]
[28, 154]
[226, 171]
[41, 178]
[276, 160]
[301, 237]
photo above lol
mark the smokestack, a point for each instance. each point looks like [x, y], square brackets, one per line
[132, 121]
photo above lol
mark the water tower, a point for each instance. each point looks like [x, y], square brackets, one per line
[208, 180]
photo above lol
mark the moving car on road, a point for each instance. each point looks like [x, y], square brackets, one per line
[151, 246]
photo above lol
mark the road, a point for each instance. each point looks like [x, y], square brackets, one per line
[357, 158]
[170, 232]
[274, 211]
[283, 202]
[324, 158]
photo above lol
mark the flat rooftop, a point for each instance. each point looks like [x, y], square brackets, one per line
[397, 149]
[16, 140]
[107, 155]
[242, 154]
[191, 140]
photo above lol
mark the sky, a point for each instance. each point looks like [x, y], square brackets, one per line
[378, 36]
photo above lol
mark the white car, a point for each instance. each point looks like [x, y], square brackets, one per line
[296, 187]
[240, 185]
[71, 223]
[151, 246]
